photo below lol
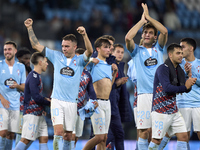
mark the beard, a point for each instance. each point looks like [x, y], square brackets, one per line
[28, 68]
[9, 59]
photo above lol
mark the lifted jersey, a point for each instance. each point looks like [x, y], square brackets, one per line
[101, 70]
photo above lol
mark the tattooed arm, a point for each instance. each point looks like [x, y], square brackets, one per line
[33, 39]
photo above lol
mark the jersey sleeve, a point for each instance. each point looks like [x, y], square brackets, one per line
[163, 76]
[35, 91]
[82, 60]
[23, 74]
[135, 50]
[51, 54]
[159, 47]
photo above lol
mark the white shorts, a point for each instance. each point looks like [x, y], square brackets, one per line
[191, 115]
[78, 129]
[64, 113]
[144, 105]
[20, 122]
[34, 127]
[9, 120]
[135, 115]
[101, 121]
[170, 123]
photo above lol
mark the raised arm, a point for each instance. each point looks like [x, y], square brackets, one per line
[34, 41]
[162, 39]
[130, 44]
[89, 50]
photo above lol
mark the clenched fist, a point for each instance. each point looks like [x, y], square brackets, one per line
[81, 30]
[28, 22]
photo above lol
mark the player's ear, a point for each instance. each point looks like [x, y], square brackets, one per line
[15, 50]
[75, 47]
[97, 49]
[170, 54]
[40, 62]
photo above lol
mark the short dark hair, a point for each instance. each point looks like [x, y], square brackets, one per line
[109, 37]
[190, 41]
[171, 47]
[12, 43]
[149, 25]
[70, 37]
[100, 41]
[80, 50]
[22, 51]
[117, 45]
[35, 57]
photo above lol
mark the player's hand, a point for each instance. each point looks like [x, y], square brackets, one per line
[121, 81]
[143, 18]
[5, 103]
[145, 11]
[15, 85]
[96, 104]
[28, 22]
[48, 99]
[81, 30]
[188, 67]
[44, 113]
[95, 61]
[190, 82]
[114, 67]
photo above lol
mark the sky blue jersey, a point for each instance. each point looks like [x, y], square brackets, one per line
[7, 79]
[101, 70]
[191, 99]
[66, 78]
[146, 66]
[131, 72]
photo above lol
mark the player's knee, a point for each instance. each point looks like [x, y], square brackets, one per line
[73, 137]
[101, 138]
[59, 131]
[3, 133]
[10, 135]
[25, 141]
[43, 139]
[156, 141]
[183, 137]
[67, 136]
[144, 132]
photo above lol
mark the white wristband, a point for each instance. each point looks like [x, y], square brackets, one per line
[90, 59]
